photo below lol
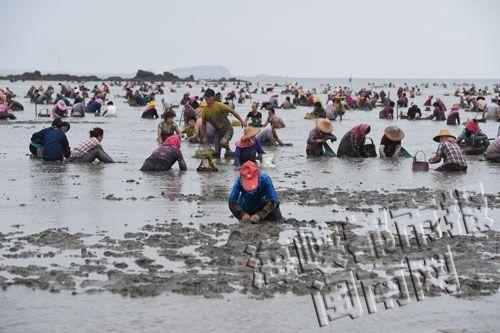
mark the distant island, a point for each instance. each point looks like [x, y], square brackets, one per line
[140, 76]
[203, 72]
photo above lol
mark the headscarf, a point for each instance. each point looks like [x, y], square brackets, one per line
[472, 126]
[452, 111]
[245, 143]
[359, 130]
[173, 141]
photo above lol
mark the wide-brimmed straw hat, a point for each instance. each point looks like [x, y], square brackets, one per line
[249, 132]
[394, 133]
[443, 133]
[455, 106]
[324, 125]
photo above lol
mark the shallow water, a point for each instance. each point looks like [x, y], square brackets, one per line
[38, 195]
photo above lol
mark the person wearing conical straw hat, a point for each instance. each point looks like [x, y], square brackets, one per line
[248, 146]
[390, 144]
[318, 136]
[453, 115]
[450, 152]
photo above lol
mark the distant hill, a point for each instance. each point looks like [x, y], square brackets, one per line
[203, 72]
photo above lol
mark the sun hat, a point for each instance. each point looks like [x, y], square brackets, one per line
[249, 132]
[249, 176]
[443, 133]
[61, 105]
[324, 125]
[152, 104]
[455, 106]
[394, 133]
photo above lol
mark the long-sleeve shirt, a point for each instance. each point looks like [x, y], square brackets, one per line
[351, 146]
[241, 155]
[252, 202]
[451, 153]
[493, 149]
[170, 154]
[314, 148]
[465, 136]
[84, 147]
[55, 145]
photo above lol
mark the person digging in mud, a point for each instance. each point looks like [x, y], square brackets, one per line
[165, 156]
[454, 115]
[353, 142]
[390, 144]
[253, 198]
[215, 113]
[492, 154]
[271, 114]
[473, 138]
[4, 114]
[317, 139]
[248, 147]
[414, 111]
[450, 152]
[268, 136]
[190, 132]
[90, 149]
[150, 112]
[51, 143]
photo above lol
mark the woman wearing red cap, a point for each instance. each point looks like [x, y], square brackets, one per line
[253, 198]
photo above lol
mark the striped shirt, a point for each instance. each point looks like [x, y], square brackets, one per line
[84, 147]
[451, 153]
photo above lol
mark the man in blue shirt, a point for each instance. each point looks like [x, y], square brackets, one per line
[253, 198]
[54, 143]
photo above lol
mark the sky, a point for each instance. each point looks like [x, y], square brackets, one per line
[297, 38]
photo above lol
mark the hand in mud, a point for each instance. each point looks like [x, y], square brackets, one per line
[254, 218]
[245, 218]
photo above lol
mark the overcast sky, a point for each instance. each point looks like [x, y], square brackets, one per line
[301, 38]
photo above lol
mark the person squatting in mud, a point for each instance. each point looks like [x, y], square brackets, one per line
[90, 149]
[51, 144]
[165, 156]
[248, 147]
[253, 197]
[317, 141]
[450, 152]
[216, 113]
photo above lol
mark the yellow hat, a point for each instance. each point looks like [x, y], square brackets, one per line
[443, 133]
[152, 104]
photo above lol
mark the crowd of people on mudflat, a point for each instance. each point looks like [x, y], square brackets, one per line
[206, 121]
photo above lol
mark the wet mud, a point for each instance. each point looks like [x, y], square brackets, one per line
[218, 260]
